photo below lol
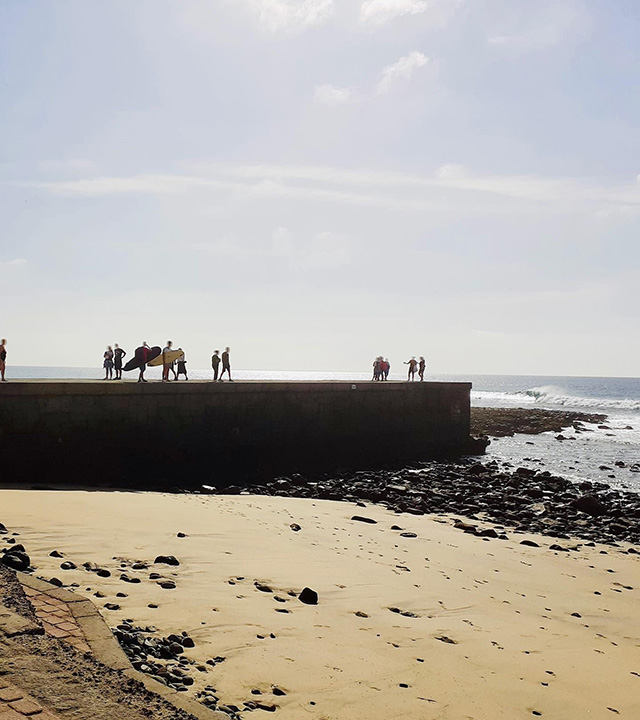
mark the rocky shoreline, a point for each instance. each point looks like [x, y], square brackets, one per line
[503, 422]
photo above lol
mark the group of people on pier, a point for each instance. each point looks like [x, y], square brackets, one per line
[114, 355]
[382, 366]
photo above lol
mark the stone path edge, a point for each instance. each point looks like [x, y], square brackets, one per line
[105, 648]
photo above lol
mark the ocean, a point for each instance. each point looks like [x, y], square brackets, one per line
[587, 456]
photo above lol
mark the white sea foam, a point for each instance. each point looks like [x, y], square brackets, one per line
[555, 396]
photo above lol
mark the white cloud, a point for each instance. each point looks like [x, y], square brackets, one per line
[332, 95]
[378, 12]
[403, 69]
[291, 15]
[433, 13]
[12, 263]
[541, 25]
[367, 188]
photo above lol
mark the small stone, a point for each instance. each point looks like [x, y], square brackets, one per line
[359, 518]
[308, 596]
[167, 560]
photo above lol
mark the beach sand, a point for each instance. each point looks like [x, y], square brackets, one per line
[493, 629]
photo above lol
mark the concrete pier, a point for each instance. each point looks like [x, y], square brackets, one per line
[155, 435]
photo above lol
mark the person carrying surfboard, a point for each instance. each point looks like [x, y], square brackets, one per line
[144, 356]
[166, 362]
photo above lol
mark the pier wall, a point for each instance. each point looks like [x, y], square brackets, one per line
[108, 433]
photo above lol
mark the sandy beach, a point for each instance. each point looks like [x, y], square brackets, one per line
[441, 625]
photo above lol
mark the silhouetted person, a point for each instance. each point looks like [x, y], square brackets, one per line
[166, 363]
[3, 359]
[421, 367]
[215, 364]
[387, 368]
[413, 364]
[226, 364]
[108, 363]
[182, 367]
[118, 354]
[144, 356]
[376, 369]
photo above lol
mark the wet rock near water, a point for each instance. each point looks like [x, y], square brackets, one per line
[503, 422]
[523, 499]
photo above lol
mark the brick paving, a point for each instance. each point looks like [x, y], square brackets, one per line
[56, 619]
[18, 705]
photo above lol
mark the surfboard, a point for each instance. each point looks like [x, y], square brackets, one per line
[138, 357]
[169, 357]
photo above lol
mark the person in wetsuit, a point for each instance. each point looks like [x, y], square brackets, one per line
[215, 364]
[118, 354]
[226, 364]
[3, 359]
[421, 368]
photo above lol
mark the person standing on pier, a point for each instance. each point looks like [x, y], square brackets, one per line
[108, 363]
[166, 363]
[376, 369]
[387, 368]
[3, 359]
[413, 364]
[215, 364]
[182, 367]
[118, 354]
[226, 364]
[421, 367]
[144, 356]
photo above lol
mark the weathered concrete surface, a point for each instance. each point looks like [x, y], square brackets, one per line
[108, 433]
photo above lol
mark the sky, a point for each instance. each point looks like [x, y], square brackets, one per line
[317, 182]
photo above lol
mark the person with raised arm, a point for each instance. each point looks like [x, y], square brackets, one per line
[413, 364]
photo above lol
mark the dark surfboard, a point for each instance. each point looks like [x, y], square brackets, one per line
[138, 357]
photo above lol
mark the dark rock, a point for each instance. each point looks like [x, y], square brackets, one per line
[529, 543]
[68, 565]
[167, 584]
[167, 560]
[112, 606]
[56, 554]
[103, 573]
[308, 596]
[16, 560]
[589, 504]
[181, 535]
[359, 518]
[55, 581]
[295, 527]
[408, 534]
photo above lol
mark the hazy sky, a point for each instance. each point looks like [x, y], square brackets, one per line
[316, 182]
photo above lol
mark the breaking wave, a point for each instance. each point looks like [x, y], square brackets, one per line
[555, 396]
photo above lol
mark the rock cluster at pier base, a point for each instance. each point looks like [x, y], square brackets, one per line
[522, 499]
